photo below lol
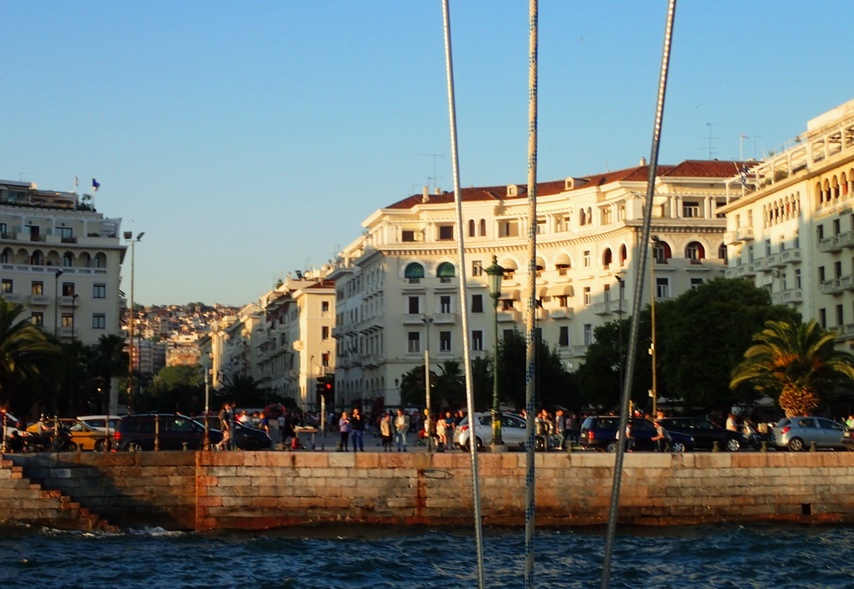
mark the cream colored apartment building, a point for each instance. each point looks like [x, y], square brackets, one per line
[792, 231]
[397, 286]
[61, 260]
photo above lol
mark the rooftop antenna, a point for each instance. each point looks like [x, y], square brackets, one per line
[755, 137]
[711, 153]
[433, 178]
[741, 139]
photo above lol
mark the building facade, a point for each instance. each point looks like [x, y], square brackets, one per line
[792, 230]
[61, 260]
[398, 285]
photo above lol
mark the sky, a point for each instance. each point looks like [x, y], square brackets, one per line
[250, 139]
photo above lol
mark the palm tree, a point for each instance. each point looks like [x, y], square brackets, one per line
[24, 349]
[796, 362]
[110, 360]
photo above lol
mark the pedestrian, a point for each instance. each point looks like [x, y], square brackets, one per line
[357, 430]
[574, 426]
[385, 432]
[661, 437]
[344, 429]
[731, 423]
[226, 419]
[440, 432]
[560, 428]
[449, 430]
[401, 427]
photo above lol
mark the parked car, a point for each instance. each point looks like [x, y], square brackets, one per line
[512, 431]
[798, 433]
[137, 432]
[245, 437]
[705, 433]
[99, 422]
[82, 436]
[600, 433]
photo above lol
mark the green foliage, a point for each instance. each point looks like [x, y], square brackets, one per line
[797, 358]
[176, 388]
[702, 335]
[554, 386]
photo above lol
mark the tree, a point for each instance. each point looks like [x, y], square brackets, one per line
[553, 383]
[244, 390]
[702, 335]
[24, 349]
[110, 360]
[176, 388]
[795, 362]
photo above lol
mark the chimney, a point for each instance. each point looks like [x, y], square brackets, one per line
[425, 195]
[643, 161]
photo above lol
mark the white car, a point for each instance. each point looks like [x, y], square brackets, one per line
[512, 431]
[98, 422]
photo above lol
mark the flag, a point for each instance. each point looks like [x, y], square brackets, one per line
[95, 185]
[76, 181]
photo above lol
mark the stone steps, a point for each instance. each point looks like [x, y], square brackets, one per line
[36, 505]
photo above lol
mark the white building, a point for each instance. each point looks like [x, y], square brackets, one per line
[397, 286]
[61, 260]
[792, 231]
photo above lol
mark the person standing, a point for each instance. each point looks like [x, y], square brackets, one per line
[226, 420]
[385, 431]
[661, 437]
[357, 430]
[344, 430]
[401, 427]
[560, 428]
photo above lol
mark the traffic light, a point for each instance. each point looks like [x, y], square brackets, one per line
[329, 389]
[320, 387]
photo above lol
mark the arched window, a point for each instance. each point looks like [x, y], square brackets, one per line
[563, 264]
[694, 251]
[445, 272]
[623, 255]
[661, 252]
[100, 260]
[582, 218]
[540, 265]
[414, 273]
[471, 227]
[482, 227]
[606, 258]
[67, 260]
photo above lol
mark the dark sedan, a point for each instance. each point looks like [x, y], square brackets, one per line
[245, 436]
[705, 433]
[600, 433]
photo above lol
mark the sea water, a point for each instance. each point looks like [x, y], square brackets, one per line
[719, 556]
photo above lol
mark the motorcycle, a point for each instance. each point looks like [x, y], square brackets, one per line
[53, 441]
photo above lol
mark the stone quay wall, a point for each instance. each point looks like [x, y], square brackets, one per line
[263, 490]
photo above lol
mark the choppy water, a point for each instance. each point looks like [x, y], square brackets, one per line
[721, 556]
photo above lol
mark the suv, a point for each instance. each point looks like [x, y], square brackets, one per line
[600, 433]
[137, 432]
[705, 433]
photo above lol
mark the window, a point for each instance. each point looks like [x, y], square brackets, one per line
[477, 303]
[541, 226]
[694, 252]
[407, 235]
[562, 300]
[414, 342]
[324, 359]
[588, 334]
[837, 269]
[696, 282]
[445, 341]
[476, 341]
[587, 295]
[446, 232]
[820, 232]
[482, 227]
[586, 258]
[797, 278]
[722, 253]
[7, 286]
[607, 293]
[324, 306]
[99, 321]
[662, 288]
[507, 304]
[477, 268]
[324, 332]
[563, 338]
[37, 318]
[840, 316]
[99, 291]
[507, 334]
[68, 320]
[822, 318]
[67, 260]
[445, 304]
[445, 272]
[471, 228]
[508, 228]
[68, 289]
[821, 276]
[37, 287]
[690, 209]
[836, 227]
[414, 305]
[414, 273]
[767, 247]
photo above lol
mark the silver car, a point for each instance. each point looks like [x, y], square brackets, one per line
[512, 431]
[799, 433]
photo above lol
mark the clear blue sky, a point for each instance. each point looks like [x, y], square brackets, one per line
[249, 139]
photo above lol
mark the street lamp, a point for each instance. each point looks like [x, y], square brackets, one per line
[429, 416]
[56, 302]
[128, 236]
[653, 392]
[496, 274]
[620, 330]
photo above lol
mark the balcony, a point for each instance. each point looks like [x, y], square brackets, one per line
[762, 265]
[731, 273]
[579, 350]
[413, 319]
[509, 316]
[445, 319]
[829, 245]
[562, 313]
[774, 260]
[38, 299]
[791, 256]
[744, 234]
[845, 239]
[791, 296]
[831, 287]
[744, 270]
[607, 307]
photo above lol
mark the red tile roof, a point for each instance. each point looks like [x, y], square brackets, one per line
[686, 169]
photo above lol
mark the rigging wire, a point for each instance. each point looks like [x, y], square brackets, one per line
[452, 112]
[643, 246]
[530, 318]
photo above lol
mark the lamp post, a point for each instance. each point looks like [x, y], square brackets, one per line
[495, 274]
[128, 237]
[57, 274]
[653, 392]
[429, 417]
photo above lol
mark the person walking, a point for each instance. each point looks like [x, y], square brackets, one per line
[385, 432]
[401, 427]
[357, 430]
[226, 421]
[344, 430]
